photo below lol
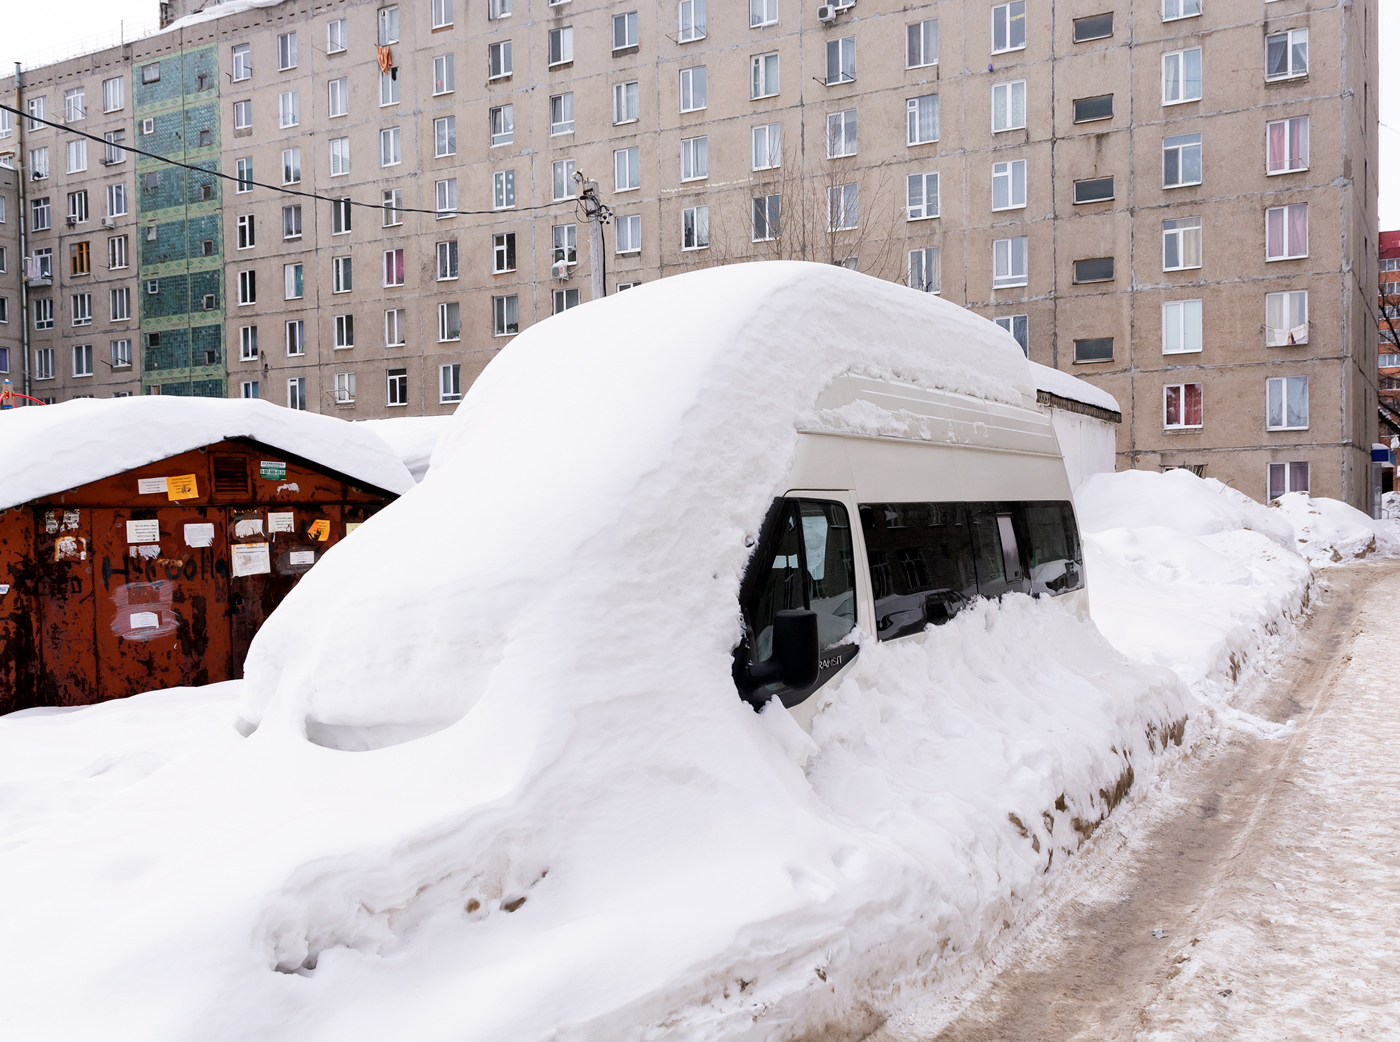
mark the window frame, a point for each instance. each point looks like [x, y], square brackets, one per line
[923, 207]
[1011, 280]
[1182, 70]
[1189, 320]
[1289, 51]
[1004, 171]
[1288, 139]
[1179, 231]
[909, 35]
[1183, 406]
[1010, 16]
[1286, 231]
[1112, 190]
[1181, 145]
[1282, 384]
[914, 119]
[1008, 104]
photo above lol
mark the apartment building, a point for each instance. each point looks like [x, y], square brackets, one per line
[1176, 201]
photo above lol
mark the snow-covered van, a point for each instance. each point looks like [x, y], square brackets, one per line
[901, 506]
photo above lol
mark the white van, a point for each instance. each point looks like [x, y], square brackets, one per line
[894, 528]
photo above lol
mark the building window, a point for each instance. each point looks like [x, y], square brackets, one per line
[503, 189]
[841, 60]
[340, 156]
[296, 393]
[249, 388]
[247, 287]
[1286, 55]
[1181, 76]
[693, 91]
[449, 322]
[242, 115]
[1181, 406]
[447, 260]
[564, 299]
[1096, 269]
[926, 269]
[80, 258]
[389, 87]
[1009, 27]
[695, 228]
[82, 360]
[1018, 327]
[442, 13]
[340, 216]
[1286, 318]
[564, 244]
[112, 152]
[1009, 185]
[395, 327]
[1181, 244]
[1181, 327]
[1090, 110]
[841, 134]
[921, 196]
[767, 146]
[296, 337]
[626, 106]
[82, 309]
[38, 110]
[627, 168]
[444, 74]
[246, 239]
[450, 381]
[502, 125]
[116, 200]
[43, 313]
[1095, 349]
[43, 363]
[114, 94]
[288, 109]
[1286, 403]
[393, 268]
[1287, 477]
[561, 45]
[242, 63]
[695, 158]
[121, 354]
[397, 387]
[1287, 144]
[392, 201]
[1174, 9]
[498, 9]
[1093, 27]
[1009, 263]
[77, 207]
[338, 102]
[390, 147]
[561, 114]
[1286, 232]
[344, 331]
[1093, 190]
[1181, 160]
[764, 69]
[692, 18]
[505, 315]
[43, 262]
[921, 44]
[39, 209]
[499, 61]
[120, 304]
[291, 221]
[388, 26]
[291, 166]
[244, 172]
[248, 344]
[922, 113]
[77, 156]
[624, 31]
[342, 275]
[842, 208]
[629, 234]
[763, 12]
[502, 253]
[1009, 106]
[445, 137]
[344, 388]
[766, 217]
[39, 163]
[292, 282]
[337, 38]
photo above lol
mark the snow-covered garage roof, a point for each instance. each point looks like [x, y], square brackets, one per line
[44, 450]
[1062, 385]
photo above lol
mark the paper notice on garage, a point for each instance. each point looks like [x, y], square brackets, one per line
[148, 486]
[144, 620]
[143, 531]
[281, 521]
[272, 470]
[302, 557]
[320, 530]
[350, 526]
[182, 486]
[250, 559]
[248, 526]
[199, 535]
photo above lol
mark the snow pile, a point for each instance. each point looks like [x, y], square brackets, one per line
[56, 447]
[218, 9]
[1331, 532]
[1390, 505]
[413, 438]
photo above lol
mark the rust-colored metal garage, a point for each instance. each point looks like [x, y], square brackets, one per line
[143, 541]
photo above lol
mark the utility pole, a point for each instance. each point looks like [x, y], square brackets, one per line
[598, 215]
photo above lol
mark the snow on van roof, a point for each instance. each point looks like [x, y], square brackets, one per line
[1071, 387]
[51, 448]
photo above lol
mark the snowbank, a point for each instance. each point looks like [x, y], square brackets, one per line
[413, 438]
[1188, 504]
[58, 447]
[1332, 532]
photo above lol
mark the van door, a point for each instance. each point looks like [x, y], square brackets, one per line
[805, 558]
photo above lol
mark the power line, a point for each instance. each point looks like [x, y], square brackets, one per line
[275, 188]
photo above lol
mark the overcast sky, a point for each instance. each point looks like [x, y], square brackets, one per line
[29, 38]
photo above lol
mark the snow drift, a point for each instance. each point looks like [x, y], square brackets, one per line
[1332, 532]
[491, 778]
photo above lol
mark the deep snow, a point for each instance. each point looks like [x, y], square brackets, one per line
[505, 789]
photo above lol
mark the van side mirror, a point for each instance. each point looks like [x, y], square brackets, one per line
[795, 647]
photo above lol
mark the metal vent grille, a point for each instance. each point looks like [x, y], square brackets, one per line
[230, 476]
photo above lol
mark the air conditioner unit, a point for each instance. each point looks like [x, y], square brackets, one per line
[826, 14]
[72, 220]
[109, 222]
[560, 270]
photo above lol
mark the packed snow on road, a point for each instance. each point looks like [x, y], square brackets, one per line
[488, 777]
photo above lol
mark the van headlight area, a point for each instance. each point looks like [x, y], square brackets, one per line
[728, 672]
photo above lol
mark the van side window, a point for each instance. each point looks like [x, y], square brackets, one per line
[805, 559]
[998, 551]
[1052, 552]
[922, 568]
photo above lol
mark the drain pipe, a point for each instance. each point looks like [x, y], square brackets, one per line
[21, 172]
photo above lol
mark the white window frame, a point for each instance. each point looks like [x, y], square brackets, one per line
[503, 257]
[1180, 231]
[561, 46]
[396, 388]
[113, 94]
[500, 61]
[1290, 250]
[294, 337]
[693, 27]
[286, 51]
[242, 62]
[770, 208]
[449, 382]
[1005, 176]
[344, 388]
[694, 89]
[395, 269]
[502, 122]
[1180, 60]
[247, 343]
[1182, 328]
[1010, 262]
[344, 332]
[564, 244]
[841, 134]
[442, 13]
[1172, 10]
[444, 137]
[914, 114]
[627, 101]
[1004, 106]
[1182, 146]
[444, 75]
[841, 60]
[338, 98]
[842, 207]
[395, 327]
[695, 228]
[1009, 27]
[924, 269]
[337, 36]
[561, 114]
[1276, 399]
[919, 31]
[340, 156]
[505, 315]
[765, 76]
[342, 274]
[1286, 305]
[1290, 39]
[447, 332]
[627, 169]
[390, 147]
[1291, 163]
[695, 158]
[503, 190]
[1288, 474]
[1182, 425]
[628, 234]
[921, 196]
[562, 177]
[625, 31]
[768, 139]
[762, 13]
